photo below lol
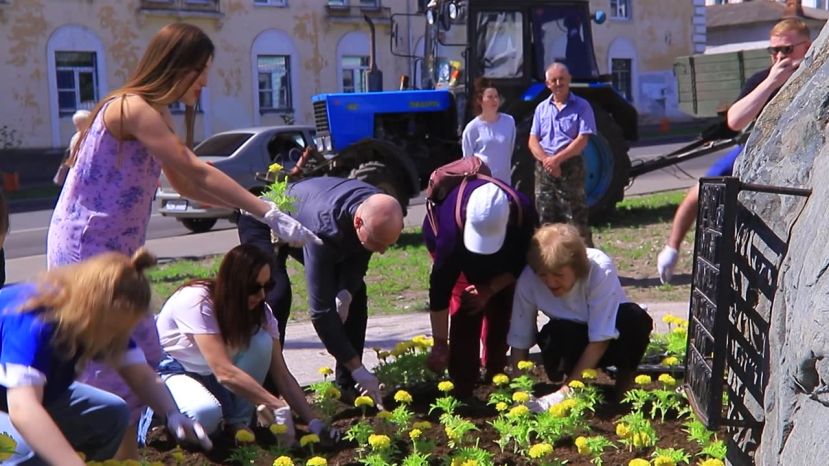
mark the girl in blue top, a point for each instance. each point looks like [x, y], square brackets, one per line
[48, 331]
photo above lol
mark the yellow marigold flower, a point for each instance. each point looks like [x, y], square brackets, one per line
[577, 384]
[332, 393]
[317, 461]
[111, 462]
[379, 441]
[540, 450]
[446, 386]
[244, 436]
[589, 374]
[664, 461]
[641, 439]
[671, 361]
[278, 429]
[423, 341]
[415, 434]
[283, 461]
[622, 430]
[325, 371]
[639, 462]
[402, 396]
[679, 330]
[501, 406]
[130, 462]
[712, 462]
[422, 425]
[362, 401]
[384, 415]
[274, 167]
[178, 455]
[520, 397]
[500, 379]
[581, 445]
[452, 433]
[526, 365]
[669, 318]
[518, 411]
[643, 379]
[308, 439]
[667, 380]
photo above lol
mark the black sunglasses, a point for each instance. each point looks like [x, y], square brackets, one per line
[266, 287]
[784, 49]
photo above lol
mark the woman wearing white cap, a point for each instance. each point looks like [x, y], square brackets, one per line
[487, 243]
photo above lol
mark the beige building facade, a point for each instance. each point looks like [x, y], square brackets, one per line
[638, 44]
[272, 56]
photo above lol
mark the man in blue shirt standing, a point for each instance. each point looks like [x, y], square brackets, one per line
[561, 128]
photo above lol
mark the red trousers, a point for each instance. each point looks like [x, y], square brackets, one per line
[468, 330]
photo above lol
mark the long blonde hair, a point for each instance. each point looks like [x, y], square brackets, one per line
[175, 50]
[81, 298]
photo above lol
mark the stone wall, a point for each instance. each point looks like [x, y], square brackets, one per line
[788, 148]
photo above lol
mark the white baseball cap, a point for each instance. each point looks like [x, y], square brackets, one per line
[487, 215]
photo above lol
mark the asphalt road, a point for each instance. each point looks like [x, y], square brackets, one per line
[28, 233]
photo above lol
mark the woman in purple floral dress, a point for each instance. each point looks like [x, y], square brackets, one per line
[106, 201]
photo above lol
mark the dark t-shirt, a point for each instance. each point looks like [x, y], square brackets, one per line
[451, 257]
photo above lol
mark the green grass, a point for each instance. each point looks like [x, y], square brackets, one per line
[398, 280]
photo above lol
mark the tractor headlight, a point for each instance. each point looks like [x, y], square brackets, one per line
[318, 142]
[328, 146]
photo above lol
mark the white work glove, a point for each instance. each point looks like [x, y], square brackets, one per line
[539, 405]
[343, 301]
[318, 427]
[288, 229]
[187, 430]
[369, 385]
[665, 263]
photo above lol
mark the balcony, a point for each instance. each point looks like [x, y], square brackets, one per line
[352, 11]
[182, 8]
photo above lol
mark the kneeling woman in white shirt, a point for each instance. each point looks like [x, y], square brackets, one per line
[221, 340]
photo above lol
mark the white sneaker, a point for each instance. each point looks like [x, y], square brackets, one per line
[665, 264]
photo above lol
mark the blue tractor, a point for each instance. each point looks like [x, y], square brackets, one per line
[395, 139]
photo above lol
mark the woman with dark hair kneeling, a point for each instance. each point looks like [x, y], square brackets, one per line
[221, 339]
[592, 324]
[50, 329]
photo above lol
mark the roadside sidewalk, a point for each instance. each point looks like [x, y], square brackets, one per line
[304, 352]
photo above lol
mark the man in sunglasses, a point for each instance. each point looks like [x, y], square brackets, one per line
[789, 41]
[354, 220]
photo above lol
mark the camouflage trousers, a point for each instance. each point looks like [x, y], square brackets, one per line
[562, 199]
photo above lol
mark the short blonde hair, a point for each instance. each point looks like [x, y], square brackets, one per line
[791, 25]
[79, 116]
[81, 298]
[555, 246]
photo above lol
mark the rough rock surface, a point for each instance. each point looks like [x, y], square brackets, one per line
[788, 148]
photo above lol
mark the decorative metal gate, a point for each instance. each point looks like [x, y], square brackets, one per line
[725, 330]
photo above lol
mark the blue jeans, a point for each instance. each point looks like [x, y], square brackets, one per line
[92, 420]
[203, 398]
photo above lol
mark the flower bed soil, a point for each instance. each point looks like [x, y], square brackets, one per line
[670, 434]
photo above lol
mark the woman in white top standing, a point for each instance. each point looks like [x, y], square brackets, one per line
[491, 135]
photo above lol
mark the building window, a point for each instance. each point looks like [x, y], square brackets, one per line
[274, 73]
[178, 107]
[620, 9]
[361, 3]
[355, 73]
[77, 80]
[620, 70]
[271, 2]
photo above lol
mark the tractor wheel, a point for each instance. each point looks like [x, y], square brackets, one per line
[606, 166]
[198, 225]
[377, 173]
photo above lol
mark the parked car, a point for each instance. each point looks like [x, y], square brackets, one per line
[239, 153]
